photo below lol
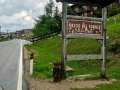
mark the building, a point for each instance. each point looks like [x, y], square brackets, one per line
[86, 11]
[26, 32]
[22, 33]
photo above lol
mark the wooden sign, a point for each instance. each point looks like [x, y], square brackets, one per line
[84, 27]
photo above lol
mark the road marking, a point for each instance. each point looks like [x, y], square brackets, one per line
[19, 84]
[1, 88]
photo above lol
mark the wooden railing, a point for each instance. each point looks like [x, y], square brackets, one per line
[44, 36]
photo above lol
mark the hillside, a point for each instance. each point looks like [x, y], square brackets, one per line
[49, 50]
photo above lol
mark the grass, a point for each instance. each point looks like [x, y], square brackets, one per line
[3, 39]
[113, 86]
[27, 38]
[45, 52]
[83, 46]
[112, 29]
[49, 50]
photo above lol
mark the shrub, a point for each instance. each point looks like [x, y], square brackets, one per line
[115, 47]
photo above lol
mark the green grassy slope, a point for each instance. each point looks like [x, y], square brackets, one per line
[114, 30]
[49, 50]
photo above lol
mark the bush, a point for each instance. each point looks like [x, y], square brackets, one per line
[115, 47]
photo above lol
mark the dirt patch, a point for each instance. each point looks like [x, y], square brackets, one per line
[48, 84]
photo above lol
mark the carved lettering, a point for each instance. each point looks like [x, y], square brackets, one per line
[84, 27]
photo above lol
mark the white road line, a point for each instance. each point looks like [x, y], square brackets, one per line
[1, 88]
[19, 84]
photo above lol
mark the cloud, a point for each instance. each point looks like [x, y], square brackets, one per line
[20, 14]
[2, 1]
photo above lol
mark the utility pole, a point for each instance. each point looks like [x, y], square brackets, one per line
[7, 31]
[0, 31]
[7, 34]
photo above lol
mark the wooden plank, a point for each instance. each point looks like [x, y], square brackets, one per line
[83, 57]
[84, 36]
[69, 69]
[84, 18]
[70, 36]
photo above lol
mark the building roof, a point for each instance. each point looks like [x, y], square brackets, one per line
[98, 3]
[3, 32]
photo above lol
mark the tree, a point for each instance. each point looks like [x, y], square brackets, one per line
[69, 11]
[49, 22]
[56, 12]
[113, 9]
[57, 19]
[49, 8]
[41, 26]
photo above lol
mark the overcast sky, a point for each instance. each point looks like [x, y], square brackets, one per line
[20, 14]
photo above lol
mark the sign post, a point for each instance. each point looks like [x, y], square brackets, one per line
[64, 28]
[104, 16]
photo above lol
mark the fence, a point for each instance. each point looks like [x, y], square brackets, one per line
[44, 36]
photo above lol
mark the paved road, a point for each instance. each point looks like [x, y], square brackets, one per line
[11, 64]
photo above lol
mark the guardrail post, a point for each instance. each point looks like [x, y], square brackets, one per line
[31, 64]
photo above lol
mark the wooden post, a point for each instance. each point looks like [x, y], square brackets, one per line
[64, 28]
[104, 15]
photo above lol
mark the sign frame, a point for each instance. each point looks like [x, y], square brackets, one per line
[84, 27]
